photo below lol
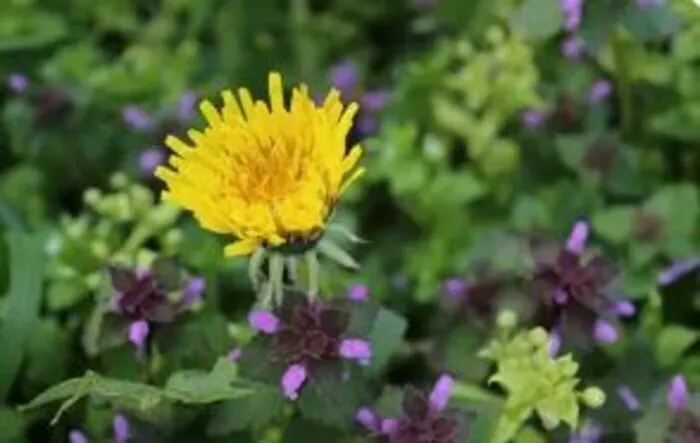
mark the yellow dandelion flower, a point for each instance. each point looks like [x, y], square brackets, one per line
[267, 174]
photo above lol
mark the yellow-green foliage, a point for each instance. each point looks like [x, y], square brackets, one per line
[536, 382]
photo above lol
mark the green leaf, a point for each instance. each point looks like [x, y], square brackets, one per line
[460, 352]
[337, 254]
[389, 403]
[538, 19]
[248, 412]
[386, 335]
[22, 303]
[306, 431]
[198, 387]
[168, 273]
[333, 393]
[665, 204]
[48, 353]
[614, 224]
[672, 342]
[653, 426]
[133, 396]
[12, 426]
[651, 23]
[530, 213]
[473, 393]
[38, 29]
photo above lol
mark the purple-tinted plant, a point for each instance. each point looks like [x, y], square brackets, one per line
[424, 418]
[17, 83]
[576, 291]
[171, 122]
[685, 424]
[345, 76]
[144, 300]
[305, 334]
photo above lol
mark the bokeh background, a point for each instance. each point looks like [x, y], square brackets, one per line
[486, 123]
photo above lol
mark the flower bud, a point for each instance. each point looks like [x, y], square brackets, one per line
[593, 397]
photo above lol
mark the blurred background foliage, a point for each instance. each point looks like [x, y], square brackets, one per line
[494, 131]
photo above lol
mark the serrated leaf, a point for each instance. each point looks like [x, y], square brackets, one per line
[306, 431]
[666, 202]
[337, 254]
[614, 224]
[333, 393]
[653, 426]
[389, 403]
[651, 23]
[248, 412]
[538, 19]
[198, 387]
[22, 303]
[124, 394]
[672, 342]
[386, 336]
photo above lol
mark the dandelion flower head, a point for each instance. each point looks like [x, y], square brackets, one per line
[267, 174]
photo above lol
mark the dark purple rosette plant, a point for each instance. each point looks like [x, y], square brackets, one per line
[576, 290]
[146, 298]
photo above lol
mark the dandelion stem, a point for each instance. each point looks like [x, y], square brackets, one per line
[313, 269]
[623, 80]
[303, 44]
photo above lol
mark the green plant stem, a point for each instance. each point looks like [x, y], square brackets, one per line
[303, 44]
[624, 83]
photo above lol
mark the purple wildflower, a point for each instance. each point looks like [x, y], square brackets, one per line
[344, 77]
[358, 292]
[628, 398]
[292, 380]
[648, 4]
[554, 343]
[138, 333]
[193, 290]
[234, 355]
[306, 333]
[572, 47]
[605, 333]
[18, 83]
[455, 288]
[423, 417]
[534, 119]
[677, 270]
[573, 11]
[137, 118]
[367, 124]
[590, 432]
[624, 308]
[578, 238]
[677, 394]
[264, 321]
[374, 101]
[186, 106]
[356, 349]
[142, 300]
[369, 419]
[572, 290]
[76, 436]
[599, 92]
[150, 159]
[121, 429]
